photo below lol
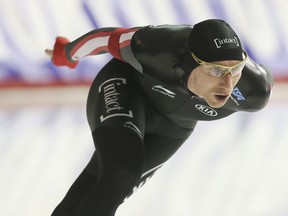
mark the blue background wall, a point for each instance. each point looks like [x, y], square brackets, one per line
[27, 27]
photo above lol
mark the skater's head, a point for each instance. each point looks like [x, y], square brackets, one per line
[219, 60]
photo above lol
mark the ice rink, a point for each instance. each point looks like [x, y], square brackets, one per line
[237, 166]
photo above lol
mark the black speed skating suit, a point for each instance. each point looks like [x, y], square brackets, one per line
[140, 110]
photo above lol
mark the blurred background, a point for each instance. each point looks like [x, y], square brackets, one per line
[237, 166]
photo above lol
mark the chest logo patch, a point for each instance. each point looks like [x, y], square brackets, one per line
[206, 110]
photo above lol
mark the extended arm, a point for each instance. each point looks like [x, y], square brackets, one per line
[96, 42]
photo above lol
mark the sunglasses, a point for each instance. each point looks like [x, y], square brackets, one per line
[220, 70]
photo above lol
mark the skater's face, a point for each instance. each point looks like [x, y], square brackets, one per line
[215, 85]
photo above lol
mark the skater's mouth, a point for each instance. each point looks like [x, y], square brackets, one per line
[221, 98]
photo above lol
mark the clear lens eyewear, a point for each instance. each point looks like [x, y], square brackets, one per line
[220, 70]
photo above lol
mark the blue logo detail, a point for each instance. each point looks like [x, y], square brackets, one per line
[237, 93]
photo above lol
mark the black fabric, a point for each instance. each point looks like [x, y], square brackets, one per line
[131, 139]
[121, 160]
[121, 164]
[77, 192]
[115, 98]
[214, 40]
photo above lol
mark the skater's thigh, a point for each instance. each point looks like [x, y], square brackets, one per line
[115, 99]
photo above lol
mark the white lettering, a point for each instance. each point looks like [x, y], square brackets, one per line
[206, 110]
[219, 42]
[164, 91]
[111, 99]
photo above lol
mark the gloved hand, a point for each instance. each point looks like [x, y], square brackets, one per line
[58, 55]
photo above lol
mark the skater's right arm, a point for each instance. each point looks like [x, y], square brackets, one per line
[98, 41]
